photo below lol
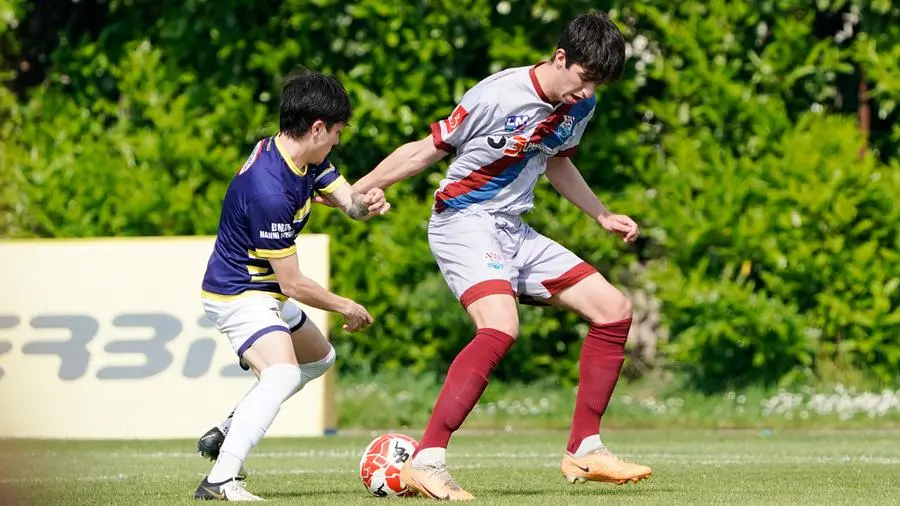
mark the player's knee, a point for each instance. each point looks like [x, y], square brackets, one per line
[614, 308]
[496, 313]
[313, 370]
[507, 326]
[280, 380]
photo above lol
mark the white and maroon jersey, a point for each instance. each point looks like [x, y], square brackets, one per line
[503, 132]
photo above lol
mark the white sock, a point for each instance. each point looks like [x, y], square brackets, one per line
[313, 370]
[226, 423]
[252, 418]
[589, 444]
[431, 457]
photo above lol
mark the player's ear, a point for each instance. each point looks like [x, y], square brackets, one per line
[317, 129]
[559, 59]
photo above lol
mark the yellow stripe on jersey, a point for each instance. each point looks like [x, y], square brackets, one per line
[272, 253]
[334, 185]
[260, 279]
[303, 211]
[252, 269]
[300, 171]
[249, 293]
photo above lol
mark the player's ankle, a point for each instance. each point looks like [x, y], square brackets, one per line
[589, 444]
[433, 457]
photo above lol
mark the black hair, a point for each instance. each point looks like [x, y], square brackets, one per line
[593, 41]
[307, 96]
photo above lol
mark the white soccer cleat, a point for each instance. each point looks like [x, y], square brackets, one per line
[231, 490]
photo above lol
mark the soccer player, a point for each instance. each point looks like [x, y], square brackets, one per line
[254, 268]
[508, 130]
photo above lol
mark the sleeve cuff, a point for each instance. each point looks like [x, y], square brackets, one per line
[276, 253]
[438, 141]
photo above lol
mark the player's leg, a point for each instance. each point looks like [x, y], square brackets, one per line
[262, 340]
[558, 277]
[211, 441]
[314, 354]
[472, 262]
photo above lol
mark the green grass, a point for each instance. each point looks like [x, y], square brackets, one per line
[650, 403]
[505, 468]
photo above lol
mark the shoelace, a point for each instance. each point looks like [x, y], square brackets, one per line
[442, 473]
[241, 491]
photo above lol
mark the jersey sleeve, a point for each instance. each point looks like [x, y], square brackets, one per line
[327, 178]
[471, 117]
[271, 226]
[580, 120]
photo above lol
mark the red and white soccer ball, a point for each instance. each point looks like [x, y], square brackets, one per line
[381, 462]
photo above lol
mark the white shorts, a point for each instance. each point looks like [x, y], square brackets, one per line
[246, 319]
[482, 254]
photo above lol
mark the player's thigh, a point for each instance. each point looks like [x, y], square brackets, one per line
[498, 311]
[275, 347]
[255, 328]
[309, 342]
[595, 299]
[469, 255]
[553, 274]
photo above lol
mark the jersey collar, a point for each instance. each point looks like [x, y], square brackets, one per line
[537, 84]
[300, 171]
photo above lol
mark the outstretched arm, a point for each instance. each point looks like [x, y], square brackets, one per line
[357, 205]
[566, 179]
[406, 161]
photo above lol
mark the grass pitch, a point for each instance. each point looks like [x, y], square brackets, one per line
[502, 468]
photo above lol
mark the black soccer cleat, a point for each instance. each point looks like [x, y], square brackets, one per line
[210, 443]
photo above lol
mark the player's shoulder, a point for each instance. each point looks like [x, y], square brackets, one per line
[261, 171]
[502, 80]
[320, 168]
[584, 107]
[502, 88]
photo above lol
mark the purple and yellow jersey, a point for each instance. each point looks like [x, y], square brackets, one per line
[266, 206]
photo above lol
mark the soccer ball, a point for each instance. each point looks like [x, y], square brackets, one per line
[381, 462]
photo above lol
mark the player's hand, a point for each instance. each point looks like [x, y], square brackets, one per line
[355, 317]
[376, 202]
[621, 225]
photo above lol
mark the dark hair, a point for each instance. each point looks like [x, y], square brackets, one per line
[308, 96]
[594, 42]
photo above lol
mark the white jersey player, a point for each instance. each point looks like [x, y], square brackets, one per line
[507, 131]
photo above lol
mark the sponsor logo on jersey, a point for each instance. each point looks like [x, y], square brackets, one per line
[564, 130]
[516, 123]
[493, 260]
[516, 144]
[252, 158]
[456, 118]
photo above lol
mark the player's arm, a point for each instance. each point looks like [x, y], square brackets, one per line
[470, 117]
[272, 236]
[306, 291]
[357, 205]
[567, 180]
[406, 161]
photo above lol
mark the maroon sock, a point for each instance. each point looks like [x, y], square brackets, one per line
[601, 361]
[466, 380]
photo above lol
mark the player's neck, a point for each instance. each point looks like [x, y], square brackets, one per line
[298, 151]
[546, 77]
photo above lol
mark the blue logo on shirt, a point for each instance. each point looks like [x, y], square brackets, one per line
[564, 130]
[516, 123]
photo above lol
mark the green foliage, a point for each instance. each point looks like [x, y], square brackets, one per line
[731, 138]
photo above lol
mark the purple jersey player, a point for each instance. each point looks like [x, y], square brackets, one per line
[254, 269]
